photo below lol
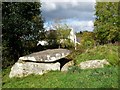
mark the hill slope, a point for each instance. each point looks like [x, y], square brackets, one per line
[106, 77]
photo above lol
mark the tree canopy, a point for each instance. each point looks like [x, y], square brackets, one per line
[106, 22]
[22, 27]
[63, 34]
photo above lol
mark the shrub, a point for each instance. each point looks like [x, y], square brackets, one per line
[87, 40]
[67, 44]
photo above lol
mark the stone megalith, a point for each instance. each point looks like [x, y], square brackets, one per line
[38, 63]
[90, 64]
[27, 68]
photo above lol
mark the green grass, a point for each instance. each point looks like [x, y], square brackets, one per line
[94, 78]
[108, 52]
[106, 77]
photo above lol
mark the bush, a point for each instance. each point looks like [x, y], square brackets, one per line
[75, 53]
[67, 44]
[87, 40]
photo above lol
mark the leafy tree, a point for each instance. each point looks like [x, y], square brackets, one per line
[22, 26]
[106, 23]
[59, 37]
[51, 36]
[63, 32]
[87, 39]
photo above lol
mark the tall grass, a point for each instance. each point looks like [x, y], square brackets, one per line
[108, 52]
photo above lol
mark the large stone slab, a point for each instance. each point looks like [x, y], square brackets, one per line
[49, 55]
[26, 68]
[93, 64]
[39, 62]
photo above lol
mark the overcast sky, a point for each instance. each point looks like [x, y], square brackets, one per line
[77, 14]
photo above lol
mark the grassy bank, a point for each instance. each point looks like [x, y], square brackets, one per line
[108, 52]
[96, 78]
[106, 77]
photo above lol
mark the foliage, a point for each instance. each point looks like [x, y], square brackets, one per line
[51, 37]
[79, 36]
[94, 78]
[108, 52]
[60, 37]
[87, 39]
[107, 22]
[67, 44]
[22, 27]
[62, 34]
[75, 53]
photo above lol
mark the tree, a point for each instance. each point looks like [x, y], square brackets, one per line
[51, 36]
[106, 22]
[87, 39]
[22, 27]
[63, 40]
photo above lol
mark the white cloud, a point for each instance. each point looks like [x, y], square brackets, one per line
[75, 24]
[79, 10]
[82, 25]
[49, 6]
[68, 0]
[90, 23]
[79, 14]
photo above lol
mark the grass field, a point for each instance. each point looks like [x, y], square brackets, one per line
[96, 78]
[106, 77]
